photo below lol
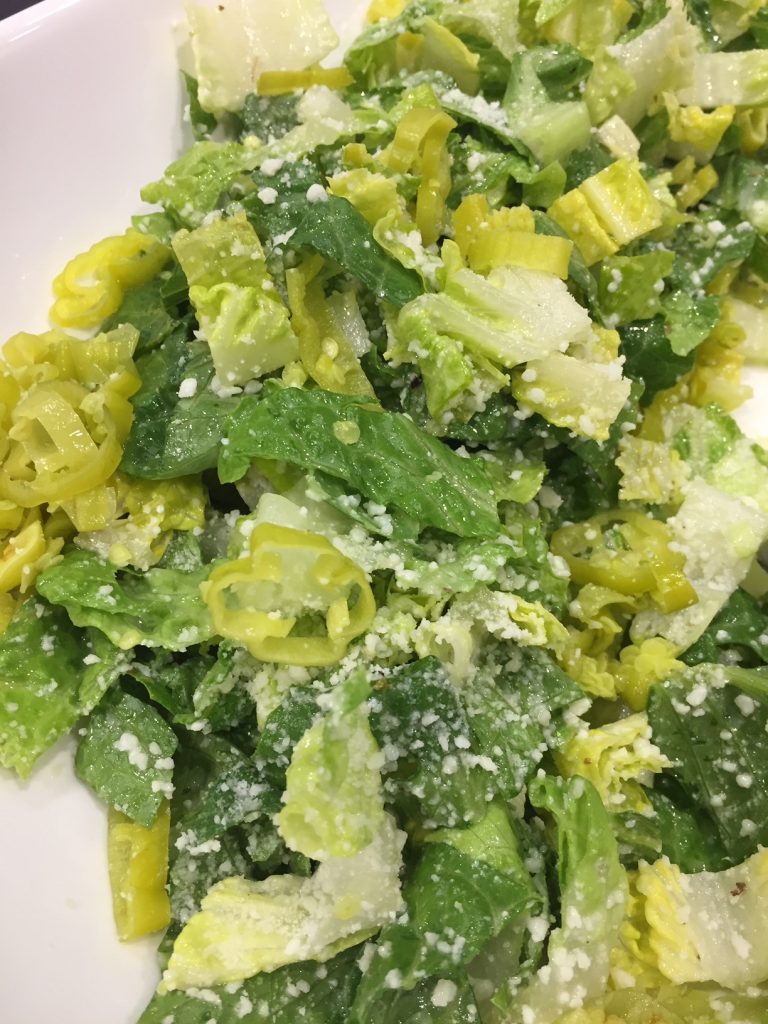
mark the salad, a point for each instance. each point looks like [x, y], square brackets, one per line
[375, 516]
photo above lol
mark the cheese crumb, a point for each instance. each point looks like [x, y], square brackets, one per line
[188, 388]
[444, 992]
[317, 194]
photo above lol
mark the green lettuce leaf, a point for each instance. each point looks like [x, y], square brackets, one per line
[173, 436]
[159, 608]
[650, 358]
[519, 713]
[207, 691]
[687, 834]
[421, 727]
[744, 187]
[593, 893]
[126, 757]
[194, 871]
[232, 44]
[269, 116]
[190, 187]
[631, 286]
[491, 890]
[710, 721]
[461, 336]
[658, 58]
[50, 674]
[309, 992]
[338, 231]
[245, 927]
[145, 308]
[371, 57]
[689, 321]
[219, 787]
[202, 121]
[333, 804]
[718, 238]
[740, 79]
[393, 462]
[550, 130]
[738, 633]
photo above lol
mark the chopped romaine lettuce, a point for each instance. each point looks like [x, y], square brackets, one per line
[160, 608]
[239, 313]
[246, 927]
[126, 757]
[593, 890]
[389, 460]
[50, 674]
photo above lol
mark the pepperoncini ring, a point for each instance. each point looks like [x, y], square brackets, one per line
[632, 558]
[272, 600]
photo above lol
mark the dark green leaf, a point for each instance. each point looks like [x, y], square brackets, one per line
[743, 186]
[339, 232]
[50, 674]
[516, 716]
[218, 788]
[203, 122]
[394, 462]
[126, 757]
[307, 993]
[193, 872]
[269, 117]
[418, 1006]
[649, 357]
[282, 731]
[584, 163]
[419, 723]
[687, 835]
[158, 608]
[144, 307]
[467, 888]
[717, 239]
[174, 436]
[739, 631]
[715, 735]
[171, 683]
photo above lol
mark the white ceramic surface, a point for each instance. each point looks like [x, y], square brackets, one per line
[90, 108]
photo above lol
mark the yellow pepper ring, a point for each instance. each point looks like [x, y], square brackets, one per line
[646, 566]
[267, 632]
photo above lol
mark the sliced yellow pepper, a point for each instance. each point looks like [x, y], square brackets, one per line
[420, 145]
[138, 869]
[53, 455]
[752, 123]
[92, 285]
[700, 184]
[277, 83]
[324, 350]
[632, 558]
[25, 554]
[271, 600]
[65, 434]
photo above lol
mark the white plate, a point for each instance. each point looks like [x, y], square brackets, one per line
[90, 107]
